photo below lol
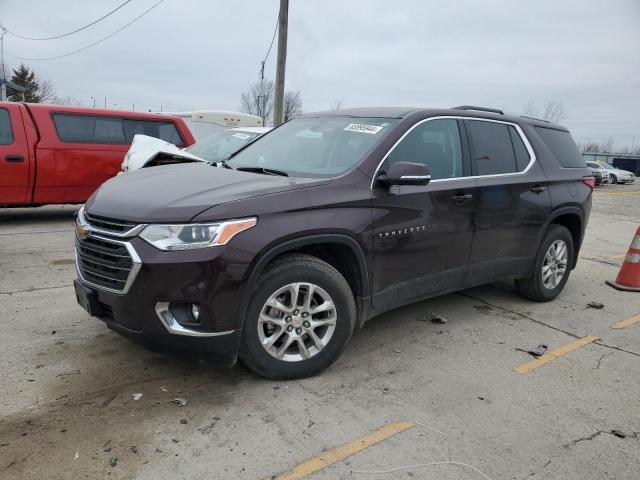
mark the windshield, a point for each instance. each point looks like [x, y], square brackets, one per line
[315, 147]
[607, 166]
[218, 146]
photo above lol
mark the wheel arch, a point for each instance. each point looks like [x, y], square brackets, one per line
[572, 218]
[338, 250]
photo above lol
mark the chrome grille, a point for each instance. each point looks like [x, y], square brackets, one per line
[109, 225]
[105, 263]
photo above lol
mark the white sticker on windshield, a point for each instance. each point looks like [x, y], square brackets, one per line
[242, 136]
[362, 128]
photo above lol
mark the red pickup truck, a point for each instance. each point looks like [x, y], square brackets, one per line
[58, 154]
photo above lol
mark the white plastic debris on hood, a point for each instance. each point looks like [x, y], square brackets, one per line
[145, 148]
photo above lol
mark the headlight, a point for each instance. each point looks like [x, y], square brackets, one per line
[195, 235]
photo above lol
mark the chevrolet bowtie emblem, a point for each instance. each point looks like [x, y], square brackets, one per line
[81, 232]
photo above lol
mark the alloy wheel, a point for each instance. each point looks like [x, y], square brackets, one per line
[296, 322]
[554, 265]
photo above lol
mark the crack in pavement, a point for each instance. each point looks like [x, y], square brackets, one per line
[33, 289]
[38, 231]
[539, 322]
[588, 438]
[526, 317]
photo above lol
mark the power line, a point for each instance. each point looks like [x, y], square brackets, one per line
[275, 30]
[91, 44]
[72, 32]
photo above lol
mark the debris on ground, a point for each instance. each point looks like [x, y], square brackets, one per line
[174, 440]
[596, 305]
[164, 389]
[536, 352]
[181, 402]
[76, 456]
[134, 449]
[183, 421]
[113, 461]
[137, 396]
[435, 318]
[619, 433]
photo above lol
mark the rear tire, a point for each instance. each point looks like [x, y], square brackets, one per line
[551, 266]
[299, 319]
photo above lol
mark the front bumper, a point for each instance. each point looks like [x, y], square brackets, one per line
[214, 278]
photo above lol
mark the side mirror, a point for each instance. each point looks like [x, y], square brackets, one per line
[406, 173]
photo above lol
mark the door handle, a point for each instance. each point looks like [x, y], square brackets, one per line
[14, 158]
[462, 198]
[538, 189]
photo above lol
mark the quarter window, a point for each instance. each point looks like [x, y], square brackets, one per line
[434, 143]
[6, 133]
[494, 151]
[562, 147]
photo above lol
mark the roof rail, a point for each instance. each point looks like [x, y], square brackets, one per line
[534, 118]
[480, 109]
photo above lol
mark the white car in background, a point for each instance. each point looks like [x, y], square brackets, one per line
[148, 151]
[597, 166]
[617, 175]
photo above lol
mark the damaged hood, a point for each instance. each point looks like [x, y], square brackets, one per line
[177, 193]
[145, 148]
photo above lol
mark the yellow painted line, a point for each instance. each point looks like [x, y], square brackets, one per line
[618, 257]
[553, 354]
[627, 322]
[344, 451]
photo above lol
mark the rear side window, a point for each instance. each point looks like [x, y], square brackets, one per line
[562, 146]
[73, 128]
[522, 154]
[494, 152]
[6, 132]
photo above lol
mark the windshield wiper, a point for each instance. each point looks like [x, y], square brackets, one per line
[265, 171]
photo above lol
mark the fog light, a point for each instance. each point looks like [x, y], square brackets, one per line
[195, 311]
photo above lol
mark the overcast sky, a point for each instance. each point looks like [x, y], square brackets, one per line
[197, 54]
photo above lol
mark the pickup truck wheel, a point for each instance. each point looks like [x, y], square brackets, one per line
[551, 267]
[299, 319]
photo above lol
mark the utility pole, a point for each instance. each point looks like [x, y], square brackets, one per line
[3, 93]
[105, 102]
[283, 22]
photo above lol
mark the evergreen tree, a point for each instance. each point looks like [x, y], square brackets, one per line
[36, 91]
[26, 78]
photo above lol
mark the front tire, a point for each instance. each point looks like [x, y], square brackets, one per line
[299, 319]
[551, 267]
[614, 179]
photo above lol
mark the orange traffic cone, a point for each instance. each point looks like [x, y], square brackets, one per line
[629, 276]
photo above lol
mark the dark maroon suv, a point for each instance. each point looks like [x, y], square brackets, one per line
[280, 253]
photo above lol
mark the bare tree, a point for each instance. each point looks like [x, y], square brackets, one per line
[258, 100]
[46, 91]
[336, 104]
[530, 108]
[554, 111]
[292, 105]
[67, 100]
[604, 146]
